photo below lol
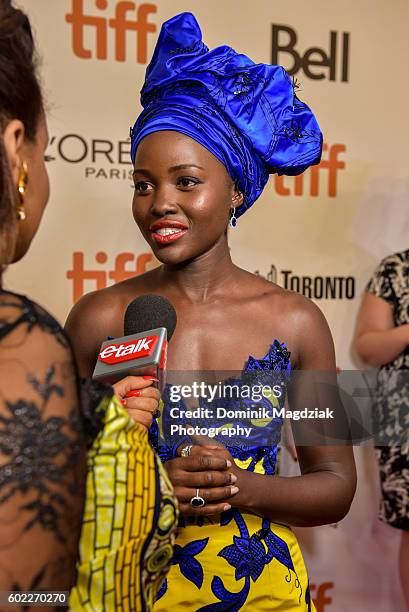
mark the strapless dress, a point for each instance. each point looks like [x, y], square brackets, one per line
[237, 561]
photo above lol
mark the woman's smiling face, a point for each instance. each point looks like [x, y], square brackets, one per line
[183, 195]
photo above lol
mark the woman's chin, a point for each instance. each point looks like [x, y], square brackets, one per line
[170, 259]
[170, 255]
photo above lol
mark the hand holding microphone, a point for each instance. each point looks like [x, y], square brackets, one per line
[135, 364]
[139, 397]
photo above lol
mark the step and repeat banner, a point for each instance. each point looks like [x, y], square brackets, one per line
[321, 233]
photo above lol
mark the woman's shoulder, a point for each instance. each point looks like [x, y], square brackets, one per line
[394, 260]
[291, 317]
[17, 309]
[96, 316]
[99, 315]
[105, 307]
[305, 330]
[277, 298]
[33, 345]
[386, 279]
[14, 303]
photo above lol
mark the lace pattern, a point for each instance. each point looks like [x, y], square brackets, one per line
[42, 459]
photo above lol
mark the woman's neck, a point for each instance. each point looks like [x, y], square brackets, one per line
[203, 278]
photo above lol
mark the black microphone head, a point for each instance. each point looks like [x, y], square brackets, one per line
[149, 312]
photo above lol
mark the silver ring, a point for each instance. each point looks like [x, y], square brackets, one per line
[197, 501]
[186, 450]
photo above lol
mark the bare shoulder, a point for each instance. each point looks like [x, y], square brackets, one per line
[310, 331]
[300, 322]
[297, 308]
[106, 305]
[97, 307]
[100, 314]
[300, 309]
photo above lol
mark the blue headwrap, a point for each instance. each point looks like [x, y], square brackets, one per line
[246, 114]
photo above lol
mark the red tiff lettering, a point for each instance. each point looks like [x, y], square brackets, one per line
[79, 274]
[331, 163]
[127, 18]
[318, 593]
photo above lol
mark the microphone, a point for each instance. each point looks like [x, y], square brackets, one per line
[149, 323]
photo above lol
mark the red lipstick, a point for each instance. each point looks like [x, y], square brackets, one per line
[166, 231]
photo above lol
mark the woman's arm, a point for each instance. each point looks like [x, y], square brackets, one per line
[42, 455]
[91, 320]
[324, 491]
[377, 340]
[320, 496]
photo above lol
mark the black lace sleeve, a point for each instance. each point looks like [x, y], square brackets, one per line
[42, 451]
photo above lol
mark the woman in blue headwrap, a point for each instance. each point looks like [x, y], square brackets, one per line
[214, 126]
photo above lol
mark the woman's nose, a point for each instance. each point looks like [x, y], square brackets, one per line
[163, 203]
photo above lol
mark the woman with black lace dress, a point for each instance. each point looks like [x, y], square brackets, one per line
[43, 432]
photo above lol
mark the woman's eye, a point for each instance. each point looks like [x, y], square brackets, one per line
[143, 187]
[187, 181]
[48, 158]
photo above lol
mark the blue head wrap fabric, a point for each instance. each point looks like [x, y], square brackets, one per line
[246, 114]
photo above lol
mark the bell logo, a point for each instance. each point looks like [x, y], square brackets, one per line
[120, 24]
[331, 62]
[134, 349]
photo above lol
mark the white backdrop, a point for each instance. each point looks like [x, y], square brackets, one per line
[337, 221]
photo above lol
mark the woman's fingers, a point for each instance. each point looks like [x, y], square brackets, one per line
[217, 494]
[207, 510]
[122, 387]
[143, 417]
[202, 479]
[142, 409]
[200, 440]
[141, 394]
[197, 450]
[142, 399]
[202, 463]
[142, 404]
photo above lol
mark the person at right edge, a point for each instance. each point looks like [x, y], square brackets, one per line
[382, 340]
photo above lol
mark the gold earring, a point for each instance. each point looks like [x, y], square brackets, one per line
[21, 191]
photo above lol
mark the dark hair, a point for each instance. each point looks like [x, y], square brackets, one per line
[20, 98]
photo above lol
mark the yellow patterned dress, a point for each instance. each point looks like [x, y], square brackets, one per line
[129, 520]
[238, 561]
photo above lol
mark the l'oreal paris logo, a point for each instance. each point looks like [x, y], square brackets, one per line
[134, 349]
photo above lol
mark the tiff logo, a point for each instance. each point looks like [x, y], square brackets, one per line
[320, 596]
[101, 277]
[127, 18]
[331, 164]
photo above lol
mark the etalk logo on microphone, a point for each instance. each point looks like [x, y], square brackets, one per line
[134, 349]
